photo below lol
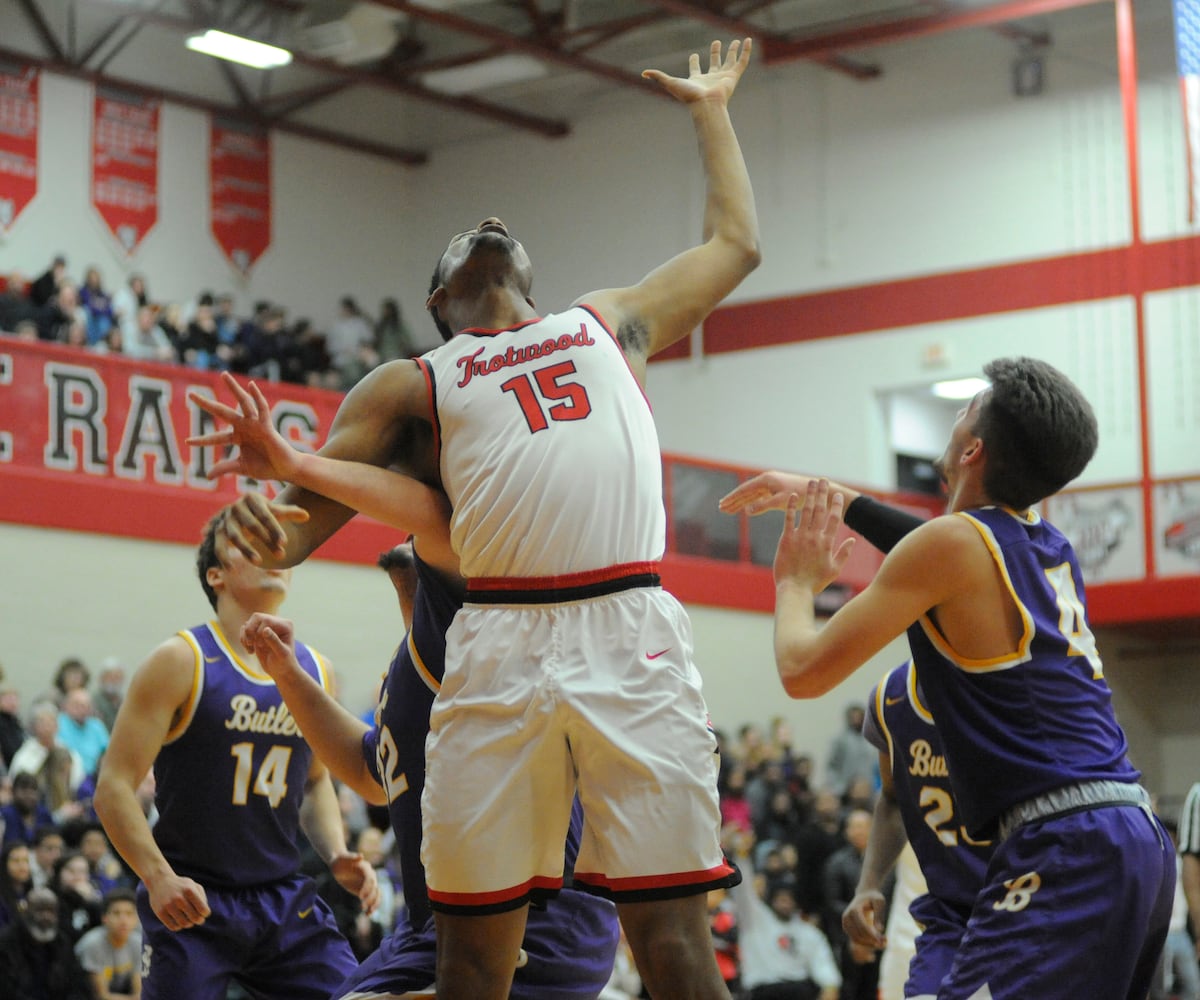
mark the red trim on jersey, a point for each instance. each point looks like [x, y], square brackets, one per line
[638, 382]
[437, 423]
[542, 882]
[481, 331]
[599, 319]
[642, 883]
[606, 575]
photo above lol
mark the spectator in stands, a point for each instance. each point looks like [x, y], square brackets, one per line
[126, 302]
[198, 348]
[859, 965]
[72, 673]
[751, 748]
[850, 755]
[111, 953]
[12, 733]
[106, 871]
[735, 809]
[79, 900]
[860, 794]
[266, 345]
[47, 848]
[63, 319]
[820, 836]
[80, 730]
[16, 881]
[761, 789]
[43, 737]
[308, 361]
[36, 961]
[54, 785]
[110, 690]
[393, 339]
[170, 320]
[148, 341]
[27, 813]
[350, 342]
[783, 956]
[97, 305]
[46, 285]
[782, 821]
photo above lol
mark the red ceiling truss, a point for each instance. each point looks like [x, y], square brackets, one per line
[572, 36]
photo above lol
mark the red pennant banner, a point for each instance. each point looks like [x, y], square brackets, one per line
[125, 164]
[18, 140]
[240, 186]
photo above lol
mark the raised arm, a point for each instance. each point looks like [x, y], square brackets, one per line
[335, 734]
[674, 299]
[159, 690]
[879, 523]
[936, 562]
[328, 489]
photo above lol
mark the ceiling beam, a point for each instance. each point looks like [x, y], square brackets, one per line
[916, 27]
[408, 157]
[53, 45]
[549, 127]
[102, 39]
[741, 28]
[528, 46]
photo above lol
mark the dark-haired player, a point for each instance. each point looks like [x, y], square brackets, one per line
[568, 669]
[221, 898]
[1078, 895]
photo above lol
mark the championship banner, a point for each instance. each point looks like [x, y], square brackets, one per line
[125, 164]
[240, 189]
[18, 140]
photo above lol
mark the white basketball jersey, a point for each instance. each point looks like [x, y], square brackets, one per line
[548, 450]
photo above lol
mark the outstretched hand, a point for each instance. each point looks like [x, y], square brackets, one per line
[263, 453]
[809, 555]
[766, 491]
[718, 82]
[252, 522]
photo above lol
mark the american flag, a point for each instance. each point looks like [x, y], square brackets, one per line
[1187, 55]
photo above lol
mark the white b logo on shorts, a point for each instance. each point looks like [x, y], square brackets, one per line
[1020, 892]
[147, 951]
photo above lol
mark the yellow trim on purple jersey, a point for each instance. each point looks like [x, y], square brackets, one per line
[881, 720]
[1021, 655]
[914, 697]
[423, 671]
[242, 667]
[193, 698]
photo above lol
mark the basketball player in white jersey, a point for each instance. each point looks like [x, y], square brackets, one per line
[568, 668]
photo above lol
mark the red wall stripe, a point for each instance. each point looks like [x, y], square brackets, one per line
[1031, 284]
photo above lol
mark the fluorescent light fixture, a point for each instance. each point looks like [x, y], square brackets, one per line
[484, 74]
[239, 50]
[959, 388]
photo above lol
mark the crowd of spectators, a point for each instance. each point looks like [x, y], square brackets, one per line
[798, 840]
[205, 333]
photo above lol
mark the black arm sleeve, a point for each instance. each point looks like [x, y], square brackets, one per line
[879, 524]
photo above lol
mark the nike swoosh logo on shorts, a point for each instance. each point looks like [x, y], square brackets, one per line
[655, 656]
[304, 913]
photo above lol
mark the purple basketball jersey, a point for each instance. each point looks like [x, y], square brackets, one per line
[231, 776]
